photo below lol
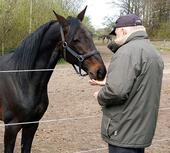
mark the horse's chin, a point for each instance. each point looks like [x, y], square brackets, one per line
[93, 76]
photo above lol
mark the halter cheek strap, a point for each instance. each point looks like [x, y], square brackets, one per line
[79, 57]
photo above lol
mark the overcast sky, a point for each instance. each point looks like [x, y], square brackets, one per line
[98, 9]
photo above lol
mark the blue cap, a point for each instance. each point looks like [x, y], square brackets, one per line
[126, 21]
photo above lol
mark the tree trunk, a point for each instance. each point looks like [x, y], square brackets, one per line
[2, 48]
[30, 23]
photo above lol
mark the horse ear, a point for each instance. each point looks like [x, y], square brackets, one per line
[80, 16]
[61, 19]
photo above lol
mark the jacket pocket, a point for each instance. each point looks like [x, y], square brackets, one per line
[109, 126]
[105, 125]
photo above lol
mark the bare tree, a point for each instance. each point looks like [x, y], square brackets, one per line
[153, 12]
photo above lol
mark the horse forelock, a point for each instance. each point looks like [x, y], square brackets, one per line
[74, 24]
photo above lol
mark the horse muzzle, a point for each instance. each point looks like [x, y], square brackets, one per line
[98, 74]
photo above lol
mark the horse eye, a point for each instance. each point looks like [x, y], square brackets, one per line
[76, 40]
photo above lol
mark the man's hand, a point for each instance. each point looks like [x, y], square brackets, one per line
[96, 82]
[96, 94]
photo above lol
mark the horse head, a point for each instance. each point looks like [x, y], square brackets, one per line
[78, 47]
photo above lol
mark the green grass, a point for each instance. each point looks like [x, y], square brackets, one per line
[163, 49]
[62, 61]
[163, 46]
[100, 42]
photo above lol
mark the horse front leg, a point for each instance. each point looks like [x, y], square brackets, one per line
[28, 133]
[10, 137]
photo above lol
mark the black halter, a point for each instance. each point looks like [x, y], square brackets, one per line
[79, 57]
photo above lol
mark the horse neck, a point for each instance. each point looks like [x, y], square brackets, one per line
[49, 54]
[38, 51]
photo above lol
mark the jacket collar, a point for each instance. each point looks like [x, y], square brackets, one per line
[134, 36]
[137, 35]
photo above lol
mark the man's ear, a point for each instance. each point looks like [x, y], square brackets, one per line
[63, 22]
[124, 31]
[80, 16]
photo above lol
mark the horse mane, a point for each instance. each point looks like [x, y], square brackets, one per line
[26, 53]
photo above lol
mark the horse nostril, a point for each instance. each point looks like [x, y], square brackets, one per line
[100, 74]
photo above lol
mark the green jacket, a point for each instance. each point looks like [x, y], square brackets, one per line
[130, 98]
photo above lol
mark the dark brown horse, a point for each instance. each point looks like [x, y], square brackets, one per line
[23, 95]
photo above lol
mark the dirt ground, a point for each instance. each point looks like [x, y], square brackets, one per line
[77, 115]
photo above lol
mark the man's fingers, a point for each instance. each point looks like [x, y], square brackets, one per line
[92, 82]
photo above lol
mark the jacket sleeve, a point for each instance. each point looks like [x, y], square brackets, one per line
[121, 75]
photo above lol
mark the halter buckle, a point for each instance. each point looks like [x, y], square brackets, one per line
[80, 58]
[65, 44]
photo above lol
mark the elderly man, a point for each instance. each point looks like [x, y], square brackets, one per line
[131, 93]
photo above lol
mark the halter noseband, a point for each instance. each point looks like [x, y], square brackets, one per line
[79, 57]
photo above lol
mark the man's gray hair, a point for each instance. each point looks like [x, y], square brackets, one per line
[133, 29]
